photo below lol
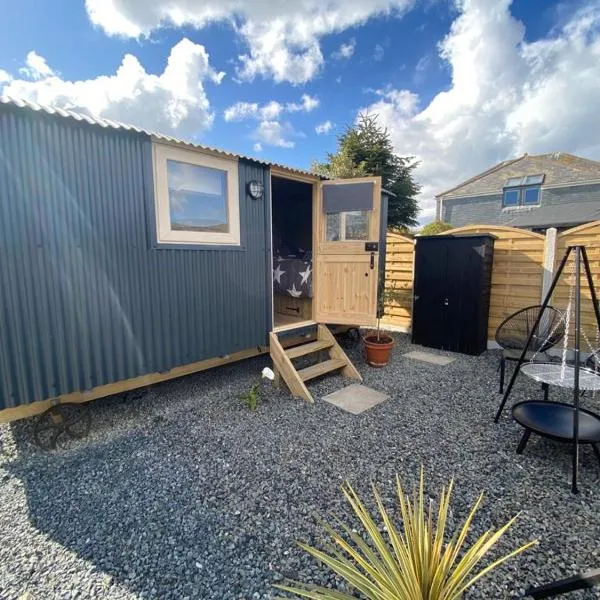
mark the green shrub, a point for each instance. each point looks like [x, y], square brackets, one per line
[435, 227]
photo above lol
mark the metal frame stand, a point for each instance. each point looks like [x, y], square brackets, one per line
[580, 254]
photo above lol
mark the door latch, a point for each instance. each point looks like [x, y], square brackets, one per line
[371, 246]
[372, 260]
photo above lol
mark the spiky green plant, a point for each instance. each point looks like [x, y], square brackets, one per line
[251, 397]
[418, 562]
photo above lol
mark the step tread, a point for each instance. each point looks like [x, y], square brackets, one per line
[321, 368]
[309, 348]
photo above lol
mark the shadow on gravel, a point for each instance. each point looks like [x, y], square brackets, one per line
[142, 521]
[208, 501]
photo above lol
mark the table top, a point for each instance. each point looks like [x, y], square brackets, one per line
[555, 420]
[561, 375]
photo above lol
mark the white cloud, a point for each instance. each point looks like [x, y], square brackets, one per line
[172, 102]
[345, 51]
[274, 133]
[324, 128]
[308, 103]
[36, 67]
[378, 52]
[271, 110]
[5, 76]
[257, 147]
[241, 111]
[423, 63]
[508, 96]
[283, 38]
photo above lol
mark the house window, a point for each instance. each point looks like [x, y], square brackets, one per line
[511, 197]
[531, 195]
[347, 226]
[197, 197]
[522, 191]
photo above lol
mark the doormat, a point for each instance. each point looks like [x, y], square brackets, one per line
[434, 359]
[355, 398]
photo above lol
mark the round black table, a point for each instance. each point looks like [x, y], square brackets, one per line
[555, 420]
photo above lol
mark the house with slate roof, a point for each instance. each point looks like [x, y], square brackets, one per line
[533, 192]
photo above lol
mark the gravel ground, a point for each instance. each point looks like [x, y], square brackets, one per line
[184, 493]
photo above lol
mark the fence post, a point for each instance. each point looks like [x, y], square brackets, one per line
[549, 260]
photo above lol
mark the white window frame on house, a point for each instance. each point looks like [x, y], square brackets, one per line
[165, 234]
[521, 185]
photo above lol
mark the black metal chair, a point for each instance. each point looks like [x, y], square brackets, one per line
[513, 332]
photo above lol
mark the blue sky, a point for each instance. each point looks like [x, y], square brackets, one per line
[460, 85]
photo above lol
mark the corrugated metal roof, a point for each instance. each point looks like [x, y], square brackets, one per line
[78, 116]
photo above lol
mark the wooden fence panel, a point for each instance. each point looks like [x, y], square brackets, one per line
[399, 264]
[516, 278]
[588, 235]
[517, 270]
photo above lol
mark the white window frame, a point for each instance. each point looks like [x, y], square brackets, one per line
[520, 190]
[164, 233]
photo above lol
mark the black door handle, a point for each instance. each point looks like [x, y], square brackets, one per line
[372, 260]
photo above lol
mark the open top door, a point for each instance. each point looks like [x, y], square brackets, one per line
[347, 223]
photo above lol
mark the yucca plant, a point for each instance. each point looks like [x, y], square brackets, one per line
[418, 562]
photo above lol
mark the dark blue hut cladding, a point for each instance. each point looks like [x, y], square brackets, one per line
[128, 258]
[87, 296]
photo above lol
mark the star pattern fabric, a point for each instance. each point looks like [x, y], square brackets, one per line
[293, 292]
[277, 273]
[292, 277]
[305, 275]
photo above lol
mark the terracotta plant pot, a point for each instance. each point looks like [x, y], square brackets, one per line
[378, 350]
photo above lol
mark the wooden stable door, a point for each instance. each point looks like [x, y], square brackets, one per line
[347, 223]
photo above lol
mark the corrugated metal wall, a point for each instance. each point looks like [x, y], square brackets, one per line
[85, 299]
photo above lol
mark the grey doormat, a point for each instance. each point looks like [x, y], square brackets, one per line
[434, 359]
[355, 398]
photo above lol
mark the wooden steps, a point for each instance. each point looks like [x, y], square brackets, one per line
[333, 364]
[309, 348]
[324, 344]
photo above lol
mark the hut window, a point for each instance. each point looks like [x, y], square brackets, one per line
[197, 197]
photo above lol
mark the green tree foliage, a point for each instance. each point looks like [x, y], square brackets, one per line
[366, 149]
[435, 227]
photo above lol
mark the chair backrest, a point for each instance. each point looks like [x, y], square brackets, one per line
[513, 332]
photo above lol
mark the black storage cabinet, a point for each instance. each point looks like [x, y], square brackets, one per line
[453, 276]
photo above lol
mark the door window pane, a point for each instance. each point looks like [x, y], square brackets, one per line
[357, 225]
[348, 225]
[333, 227]
[197, 197]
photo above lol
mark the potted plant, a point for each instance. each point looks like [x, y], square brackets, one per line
[378, 345]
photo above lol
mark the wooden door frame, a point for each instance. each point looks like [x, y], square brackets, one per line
[313, 181]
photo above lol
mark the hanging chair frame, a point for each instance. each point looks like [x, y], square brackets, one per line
[580, 256]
